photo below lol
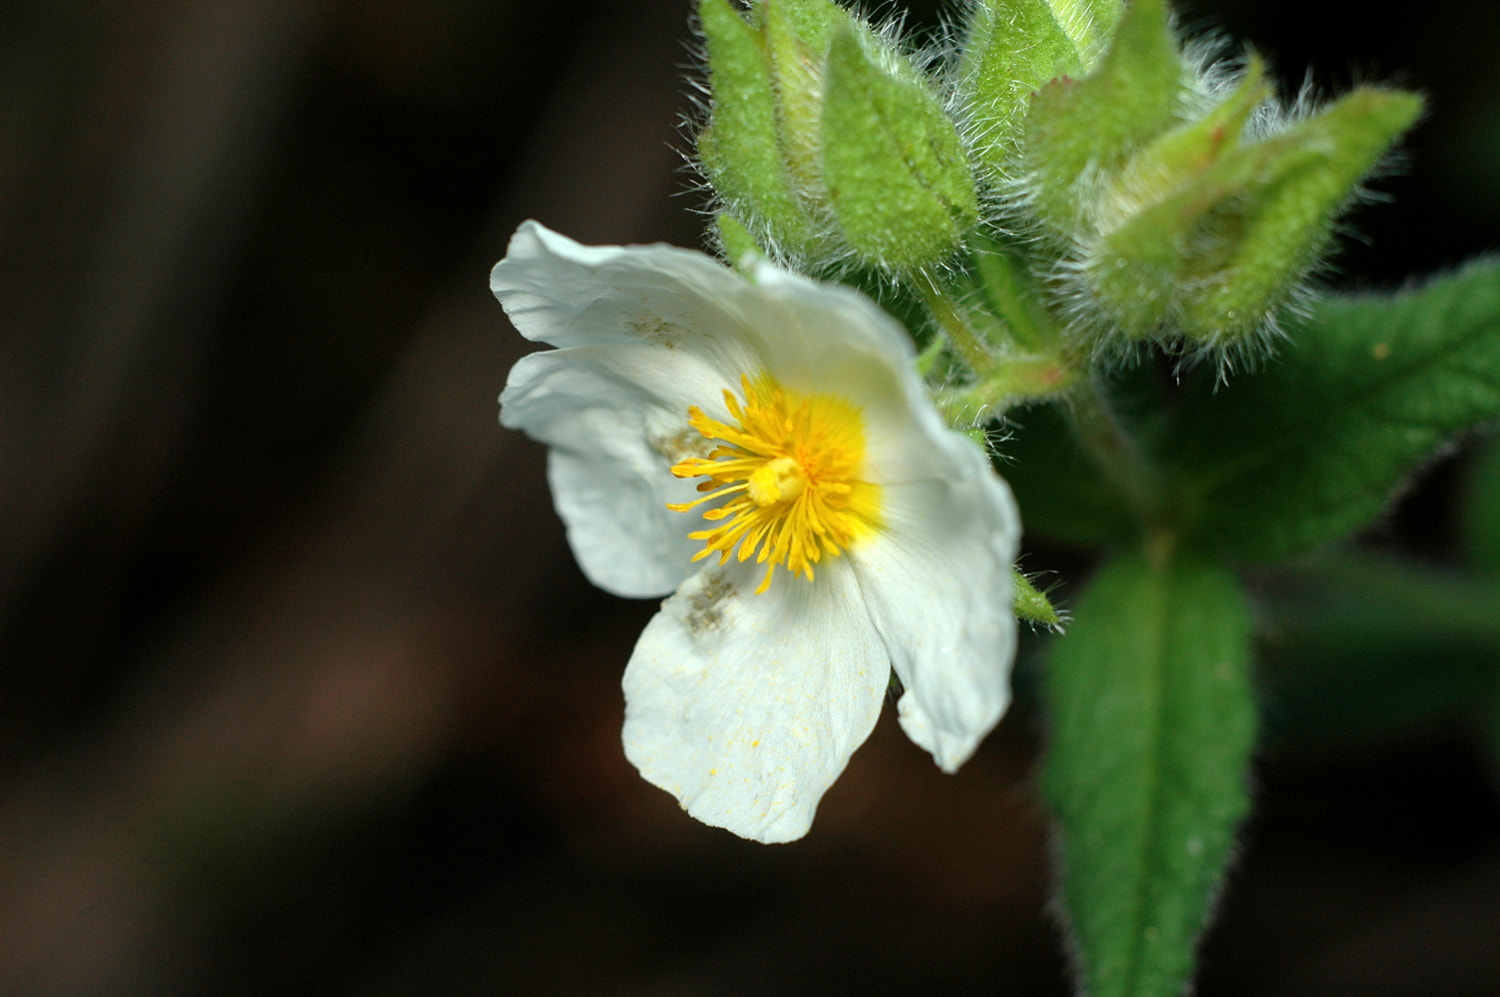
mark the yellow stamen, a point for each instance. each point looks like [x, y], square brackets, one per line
[790, 476]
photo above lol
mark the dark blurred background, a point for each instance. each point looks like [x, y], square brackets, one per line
[300, 689]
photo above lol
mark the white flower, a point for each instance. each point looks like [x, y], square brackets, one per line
[707, 430]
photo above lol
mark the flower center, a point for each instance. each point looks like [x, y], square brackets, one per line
[789, 474]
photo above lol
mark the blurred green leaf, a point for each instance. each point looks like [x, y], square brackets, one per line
[1480, 513]
[1061, 492]
[1153, 724]
[1358, 645]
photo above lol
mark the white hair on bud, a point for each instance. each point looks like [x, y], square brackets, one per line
[824, 252]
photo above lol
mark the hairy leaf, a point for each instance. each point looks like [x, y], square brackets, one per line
[1153, 727]
[1312, 447]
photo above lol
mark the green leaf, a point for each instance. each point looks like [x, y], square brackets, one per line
[1480, 514]
[1153, 724]
[1059, 489]
[1311, 448]
[900, 186]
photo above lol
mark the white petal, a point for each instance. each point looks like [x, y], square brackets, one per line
[937, 578]
[938, 587]
[560, 292]
[649, 331]
[747, 707]
[816, 337]
[616, 419]
[861, 323]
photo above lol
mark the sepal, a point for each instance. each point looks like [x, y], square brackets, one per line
[1014, 47]
[900, 186]
[1033, 606]
[739, 149]
[1080, 132]
[1216, 258]
[827, 143]
[797, 34]
[739, 247]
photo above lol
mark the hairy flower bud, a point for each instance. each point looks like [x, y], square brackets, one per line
[827, 143]
[1013, 48]
[900, 186]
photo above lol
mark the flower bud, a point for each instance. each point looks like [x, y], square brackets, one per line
[897, 178]
[1014, 47]
[1081, 131]
[740, 149]
[797, 36]
[1237, 237]
[827, 143]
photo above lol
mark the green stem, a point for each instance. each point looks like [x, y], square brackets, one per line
[1118, 455]
[1016, 378]
[930, 355]
[957, 330]
[1012, 293]
[1005, 370]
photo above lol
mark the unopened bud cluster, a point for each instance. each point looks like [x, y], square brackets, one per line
[1180, 207]
[1153, 197]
